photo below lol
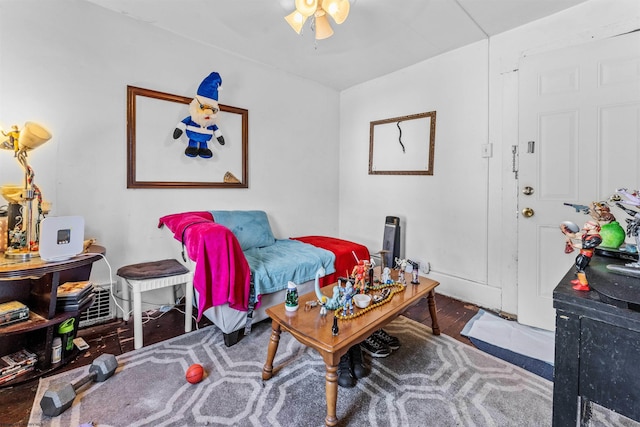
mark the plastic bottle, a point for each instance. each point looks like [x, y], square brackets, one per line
[291, 298]
[66, 330]
[56, 350]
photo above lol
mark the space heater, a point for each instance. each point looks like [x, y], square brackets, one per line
[391, 240]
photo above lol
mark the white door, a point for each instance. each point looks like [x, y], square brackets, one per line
[579, 140]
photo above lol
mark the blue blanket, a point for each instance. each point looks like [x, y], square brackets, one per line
[287, 260]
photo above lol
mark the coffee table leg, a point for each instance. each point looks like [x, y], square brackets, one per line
[332, 394]
[267, 370]
[431, 301]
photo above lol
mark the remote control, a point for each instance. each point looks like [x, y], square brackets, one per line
[80, 343]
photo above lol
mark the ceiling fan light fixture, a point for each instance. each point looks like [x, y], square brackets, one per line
[337, 9]
[323, 28]
[318, 11]
[306, 7]
[296, 20]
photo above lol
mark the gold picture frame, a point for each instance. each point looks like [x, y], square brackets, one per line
[156, 160]
[403, 145]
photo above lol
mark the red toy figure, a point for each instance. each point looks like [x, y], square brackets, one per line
[359, 272]
[590, 240]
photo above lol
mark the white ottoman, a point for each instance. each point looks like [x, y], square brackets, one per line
[148, 276]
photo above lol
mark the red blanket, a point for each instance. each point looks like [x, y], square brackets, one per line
[343, 250]
[214, 248]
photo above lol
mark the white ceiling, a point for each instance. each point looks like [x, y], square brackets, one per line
[378, 37]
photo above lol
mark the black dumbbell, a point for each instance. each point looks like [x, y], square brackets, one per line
[59, 398]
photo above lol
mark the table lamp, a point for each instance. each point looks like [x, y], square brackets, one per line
[23, 236]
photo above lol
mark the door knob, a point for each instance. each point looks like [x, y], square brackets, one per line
[527, 191]
[527, 212]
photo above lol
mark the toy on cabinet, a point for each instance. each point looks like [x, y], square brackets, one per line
[589, 240]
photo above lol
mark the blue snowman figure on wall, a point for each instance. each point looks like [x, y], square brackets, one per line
[201, 125]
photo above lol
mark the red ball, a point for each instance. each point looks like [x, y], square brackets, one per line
[195, 373]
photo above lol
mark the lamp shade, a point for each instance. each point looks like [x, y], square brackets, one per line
[296, 20]
[323, 28]
[32, 136]
[338, 9]
[306, 7]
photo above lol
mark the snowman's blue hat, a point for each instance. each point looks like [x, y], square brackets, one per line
[209, 86]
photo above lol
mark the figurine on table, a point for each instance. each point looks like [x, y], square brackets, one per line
[359, 273]
[347, 298]
[590, 240]
[386, 276]
[401, 265]
[323, 306]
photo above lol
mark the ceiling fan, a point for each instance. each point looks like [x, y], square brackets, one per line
[317, 11]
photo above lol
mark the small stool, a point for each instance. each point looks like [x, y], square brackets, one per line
[148, 276]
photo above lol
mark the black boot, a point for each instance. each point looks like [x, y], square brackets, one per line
[360, 368]
[345, 373]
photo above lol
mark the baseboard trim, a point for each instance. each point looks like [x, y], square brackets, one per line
[464, 290]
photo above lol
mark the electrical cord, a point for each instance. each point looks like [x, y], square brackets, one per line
[111, 285]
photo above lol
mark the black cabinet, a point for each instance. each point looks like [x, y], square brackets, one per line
[597, 345]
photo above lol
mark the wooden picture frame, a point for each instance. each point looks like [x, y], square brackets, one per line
[156, 160]
[402, 145]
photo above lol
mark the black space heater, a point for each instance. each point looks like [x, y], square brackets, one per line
[391, 240]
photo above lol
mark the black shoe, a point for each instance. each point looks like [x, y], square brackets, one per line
[191, 151]
[345, 373]
[358, 365]
[392, 342]
[375, 348]
[205, 153]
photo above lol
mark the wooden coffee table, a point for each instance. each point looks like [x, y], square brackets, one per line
[314, 331]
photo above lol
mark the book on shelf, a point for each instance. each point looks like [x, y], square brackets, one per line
[13, 375]
[74, 290]
[13, 311]
[74, 305]
[73, 295]
[14, 362]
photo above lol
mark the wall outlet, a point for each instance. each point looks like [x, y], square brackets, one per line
[425, 267]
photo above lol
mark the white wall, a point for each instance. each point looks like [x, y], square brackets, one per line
[444, 216]
[463, 220]
[66, 64]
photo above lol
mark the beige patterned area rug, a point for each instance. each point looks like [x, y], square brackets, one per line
[429, 381]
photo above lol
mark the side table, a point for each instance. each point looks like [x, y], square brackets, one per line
[148, 276]
[314, 331]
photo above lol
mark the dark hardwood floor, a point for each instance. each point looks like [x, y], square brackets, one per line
[116, 337]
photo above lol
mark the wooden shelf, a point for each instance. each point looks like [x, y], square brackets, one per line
[35, 282]
[36, 321]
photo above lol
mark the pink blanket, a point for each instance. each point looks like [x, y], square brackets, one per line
[222, 274]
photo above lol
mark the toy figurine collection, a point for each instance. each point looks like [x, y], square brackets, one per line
[361, 281]
[602, 230]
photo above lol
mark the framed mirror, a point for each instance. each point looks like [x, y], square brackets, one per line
[156, 160]
[402, 145]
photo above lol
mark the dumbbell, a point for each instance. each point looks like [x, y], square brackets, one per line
[59, 398]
